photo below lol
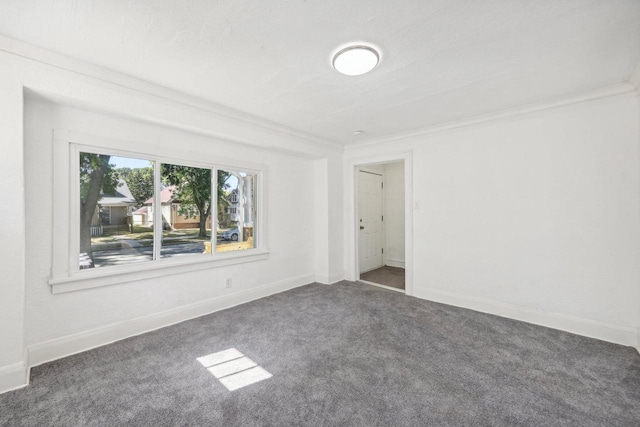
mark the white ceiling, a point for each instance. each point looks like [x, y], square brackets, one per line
[441, 60]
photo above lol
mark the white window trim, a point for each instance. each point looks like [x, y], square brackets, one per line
[66, 275]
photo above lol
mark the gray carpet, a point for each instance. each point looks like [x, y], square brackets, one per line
[385, 275]
[342, 355]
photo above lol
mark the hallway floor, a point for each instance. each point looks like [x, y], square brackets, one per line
[388, 276]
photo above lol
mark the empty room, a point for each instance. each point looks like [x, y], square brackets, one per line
[320, 213]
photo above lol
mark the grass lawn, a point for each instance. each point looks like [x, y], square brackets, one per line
[146, 233]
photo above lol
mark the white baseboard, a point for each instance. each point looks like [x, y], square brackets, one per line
[13, 376]
[322, 278]
[325, 280]
[336, 278]
[604, 331]
[71, 344]
[394, 262]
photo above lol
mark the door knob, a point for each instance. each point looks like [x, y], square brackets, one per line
[361, 227]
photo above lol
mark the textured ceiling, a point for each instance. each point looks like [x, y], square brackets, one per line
[442, 60]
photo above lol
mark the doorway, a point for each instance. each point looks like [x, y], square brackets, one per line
[381, 224]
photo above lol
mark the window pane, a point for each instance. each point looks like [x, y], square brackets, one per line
[186, 210]
[114, 227]
[236, 211]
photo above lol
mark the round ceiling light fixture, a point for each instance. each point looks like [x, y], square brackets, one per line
[356, 60]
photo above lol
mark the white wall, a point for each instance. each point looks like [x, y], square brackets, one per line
[335, 224]
[12, 253]
[35, 324]
[394, 214]
[52, 316]
[636, 79]
[536, 217]
[329, 221]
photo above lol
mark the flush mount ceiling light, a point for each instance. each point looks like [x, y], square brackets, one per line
[356, 60]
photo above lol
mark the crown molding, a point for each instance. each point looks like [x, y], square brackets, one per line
[620, 89]
[116, 78]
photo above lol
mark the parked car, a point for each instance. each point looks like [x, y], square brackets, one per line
[231, 234]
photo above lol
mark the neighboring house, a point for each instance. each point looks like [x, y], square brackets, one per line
[140, 216]
[230, 213]
[113, 209]
[235, 211]
[240, 208]
[171, 216]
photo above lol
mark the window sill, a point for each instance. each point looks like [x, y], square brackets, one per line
[93, 278]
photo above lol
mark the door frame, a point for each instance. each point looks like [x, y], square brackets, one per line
[352, 223]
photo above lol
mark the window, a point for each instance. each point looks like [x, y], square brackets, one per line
[237, 228]
[121, 215]
[108, 235]
[186, 209]
[105, 215]
[182, 213]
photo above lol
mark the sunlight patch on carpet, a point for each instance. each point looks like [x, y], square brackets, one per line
[233, 369]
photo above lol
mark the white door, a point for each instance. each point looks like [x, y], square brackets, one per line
[370, 221]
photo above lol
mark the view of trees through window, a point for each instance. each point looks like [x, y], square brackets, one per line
[186, 205]
[118, 210]
[112, 189]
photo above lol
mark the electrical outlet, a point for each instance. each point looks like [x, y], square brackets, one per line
[229, 284]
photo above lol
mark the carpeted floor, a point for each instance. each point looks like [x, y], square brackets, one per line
[343, 355]
[385, 275]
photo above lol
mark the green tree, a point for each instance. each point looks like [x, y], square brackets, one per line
[123, 173]
[96, 177]
[193, 189]
[140, 183]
